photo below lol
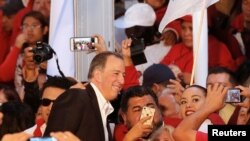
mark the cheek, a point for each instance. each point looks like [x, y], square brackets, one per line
[198, 104]
[182, 110]
[134, 118]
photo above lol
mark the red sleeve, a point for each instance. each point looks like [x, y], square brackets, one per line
[131, 77]
[168, 57]
[119, 132]
[200, 136]
[7, 68]
[216, 119]
[219, 55]
[17, 23]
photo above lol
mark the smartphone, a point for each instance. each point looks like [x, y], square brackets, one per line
[42, 139]
[83, 43]
[233, 96]
[147, 111]
[137, 51]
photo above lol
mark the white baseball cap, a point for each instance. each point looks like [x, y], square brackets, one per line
[139, 14]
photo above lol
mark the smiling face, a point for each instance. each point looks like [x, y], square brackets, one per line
[191, 100]
[110, 79]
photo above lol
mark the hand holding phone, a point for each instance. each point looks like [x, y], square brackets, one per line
[83, 43]
[233, 96]
[148, 111]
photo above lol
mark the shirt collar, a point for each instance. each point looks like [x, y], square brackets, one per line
[104, 105]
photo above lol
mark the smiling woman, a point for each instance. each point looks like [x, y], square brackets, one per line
[192, 100]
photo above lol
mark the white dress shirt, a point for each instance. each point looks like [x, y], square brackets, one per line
[105, 108]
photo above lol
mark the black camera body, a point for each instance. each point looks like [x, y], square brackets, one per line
[137, 51]
[42, 52]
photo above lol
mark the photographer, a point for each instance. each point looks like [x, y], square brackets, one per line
[29, 76]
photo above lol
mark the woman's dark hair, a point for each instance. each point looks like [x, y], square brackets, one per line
[38, 16]
[17, 117]
[204, 90]
[10, 93]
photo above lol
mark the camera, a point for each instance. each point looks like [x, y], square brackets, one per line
[42, 52]
[233, 96]
[83, 43]
[137, 51]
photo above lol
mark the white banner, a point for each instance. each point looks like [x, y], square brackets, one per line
[61, 30]
[180, 8]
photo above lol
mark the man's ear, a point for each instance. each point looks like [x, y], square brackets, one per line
[155, 87]
[97, 75]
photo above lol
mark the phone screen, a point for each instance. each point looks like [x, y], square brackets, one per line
[83, 43]
[233, 96]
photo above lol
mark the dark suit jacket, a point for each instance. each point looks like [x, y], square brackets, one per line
[77, 111]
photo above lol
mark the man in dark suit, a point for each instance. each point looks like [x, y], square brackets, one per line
[84, 112]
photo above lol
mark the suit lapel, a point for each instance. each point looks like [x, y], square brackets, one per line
[96, 111]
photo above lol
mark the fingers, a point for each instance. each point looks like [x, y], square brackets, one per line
[20, 40]
[100, 45]
[126, 43]
[16, 137]
[64, 136]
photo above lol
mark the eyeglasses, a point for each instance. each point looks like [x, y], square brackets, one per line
[46, 101]
[32, 27]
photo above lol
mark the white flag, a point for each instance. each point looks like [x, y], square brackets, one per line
[61, 30]
[180, 8]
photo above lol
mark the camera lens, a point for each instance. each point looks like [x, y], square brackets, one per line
[42, 52]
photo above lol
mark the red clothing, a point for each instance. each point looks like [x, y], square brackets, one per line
[131, 77]
[8, 67]
[120, 131]
[216, 119]
[218, 55]
[238, 23]
[17, 22]
[4, 41]
[159, 14]
[172, 121]
[181, 56]
[4, 44]
[200, 136]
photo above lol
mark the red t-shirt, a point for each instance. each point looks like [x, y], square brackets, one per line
[200, 136]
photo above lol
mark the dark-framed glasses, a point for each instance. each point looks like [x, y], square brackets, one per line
[32, 27]
[46, 101]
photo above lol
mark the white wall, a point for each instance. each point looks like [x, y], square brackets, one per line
[92, 16]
